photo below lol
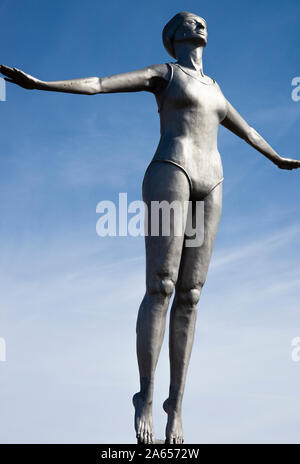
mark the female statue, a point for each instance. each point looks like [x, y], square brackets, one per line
[186, 167]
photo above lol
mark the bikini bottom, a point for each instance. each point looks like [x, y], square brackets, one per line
[192, 190]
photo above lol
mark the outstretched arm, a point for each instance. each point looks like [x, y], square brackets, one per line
[236, 124]
[133, 81]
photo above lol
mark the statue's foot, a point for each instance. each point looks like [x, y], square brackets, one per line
[143, 419]
[174, 431]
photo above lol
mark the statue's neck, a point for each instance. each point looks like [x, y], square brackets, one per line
[190, 56]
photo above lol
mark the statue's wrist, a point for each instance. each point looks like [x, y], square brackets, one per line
[40, 85]
[277, 159]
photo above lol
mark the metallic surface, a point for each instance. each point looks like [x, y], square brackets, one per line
[186, 166]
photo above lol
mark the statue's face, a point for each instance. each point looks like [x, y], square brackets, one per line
[192, 28]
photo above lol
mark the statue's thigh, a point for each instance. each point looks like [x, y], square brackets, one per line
[168, 183]
[195, 259]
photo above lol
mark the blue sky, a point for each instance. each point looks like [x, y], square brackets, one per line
[69, 298]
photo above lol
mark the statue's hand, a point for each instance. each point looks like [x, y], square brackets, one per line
[16, 76]
[287, 163]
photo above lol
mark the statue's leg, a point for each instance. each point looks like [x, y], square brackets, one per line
[162, 181]
[192, 275]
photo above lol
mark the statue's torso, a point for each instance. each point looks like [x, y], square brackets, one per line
[190, 114]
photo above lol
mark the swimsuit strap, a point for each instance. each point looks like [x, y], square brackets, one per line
[194, 77]
[167, 87]
[186, 173]
[179, 166]
[215, 186]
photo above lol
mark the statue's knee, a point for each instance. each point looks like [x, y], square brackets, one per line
[189, 297]
[194, 296]
[163, 286]
[166, 287]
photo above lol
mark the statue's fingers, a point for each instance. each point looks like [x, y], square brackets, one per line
[10, 80]
[5, 68]
[7, 71]
[20, 72]
[295, 163]
[22, 75]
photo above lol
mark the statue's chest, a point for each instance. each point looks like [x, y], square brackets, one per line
[187, 92]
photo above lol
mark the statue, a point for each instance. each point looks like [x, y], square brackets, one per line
[186, 166]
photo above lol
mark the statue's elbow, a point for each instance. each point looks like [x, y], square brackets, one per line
[95, 86]
[252, 137]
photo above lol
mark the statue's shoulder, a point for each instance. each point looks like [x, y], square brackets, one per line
[160, 70]
[218, 86]
[159, 76]
[215, 82]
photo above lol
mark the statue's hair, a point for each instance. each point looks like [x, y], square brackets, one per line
[170, 28]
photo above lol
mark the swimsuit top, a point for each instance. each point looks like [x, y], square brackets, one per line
[161, 98]
[190, 113]
[186, 91]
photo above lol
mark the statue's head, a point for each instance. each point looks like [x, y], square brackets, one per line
[182, 27]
